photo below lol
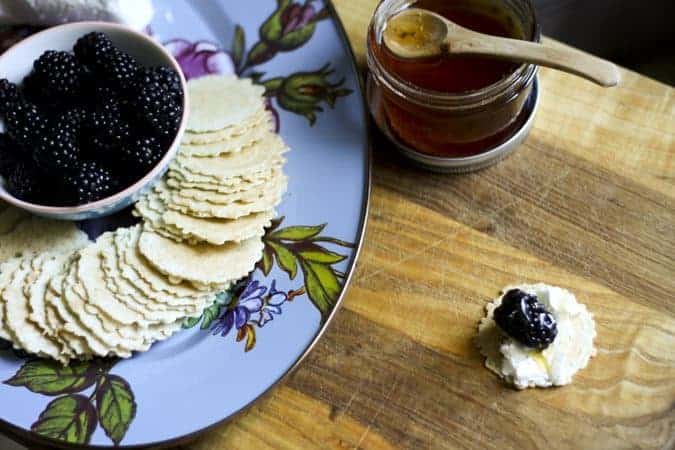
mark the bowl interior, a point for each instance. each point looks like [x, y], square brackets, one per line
[17, 62]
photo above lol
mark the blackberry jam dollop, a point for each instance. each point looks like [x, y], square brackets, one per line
[526, 320]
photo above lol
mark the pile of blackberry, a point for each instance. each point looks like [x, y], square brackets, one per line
[85, 125]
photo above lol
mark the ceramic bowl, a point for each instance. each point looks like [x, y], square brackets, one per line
[17, 62]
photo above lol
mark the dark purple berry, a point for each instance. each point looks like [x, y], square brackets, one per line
[58, 76]
[93, 49]
[22, 182]
[89, 182]
[161, 113]
[58, 149]
[164, 78]
[10, 155]
[25, 123]
[523, 318]
[143, 154]
[9, 95]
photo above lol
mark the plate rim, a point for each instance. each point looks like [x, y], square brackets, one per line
[22, 436]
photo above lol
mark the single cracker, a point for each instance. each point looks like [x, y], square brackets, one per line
[203, 264]
[233, 144]
[218, 102]
[260, 156]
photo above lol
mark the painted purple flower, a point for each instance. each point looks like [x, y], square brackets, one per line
[201, 58]
[255, 300]
[291, 26]
[272, 305]
[296, 16]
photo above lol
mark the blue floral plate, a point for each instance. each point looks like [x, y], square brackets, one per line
[252, 337]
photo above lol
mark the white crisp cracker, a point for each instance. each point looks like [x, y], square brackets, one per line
[152, 279]
[248, 196]
[219, 231]
[261, 156]
[92, 277]
[130, 296]
[260, 118]
[233, 144]
[26, 335]
[10, 218]
[75, 303]
[36, 235]
[234, 184]
[218, 102]
[7, 270]
[203, 264]
[202, 209]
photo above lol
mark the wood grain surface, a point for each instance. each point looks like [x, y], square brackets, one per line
[586, 203]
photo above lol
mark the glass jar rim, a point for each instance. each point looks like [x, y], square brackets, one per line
[521, 76]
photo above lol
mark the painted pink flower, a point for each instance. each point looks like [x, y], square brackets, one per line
[201, 58]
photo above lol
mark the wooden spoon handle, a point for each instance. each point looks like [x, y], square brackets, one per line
[577, 62]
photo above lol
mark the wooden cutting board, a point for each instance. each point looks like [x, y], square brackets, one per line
[586, 203]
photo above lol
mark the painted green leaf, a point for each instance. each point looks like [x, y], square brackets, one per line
[51, 378]
[297, 233]
[272, 85]
[238, 46]
[265, 264]
[273, 27]
[296, 38]
[260, 53]
[71, 418]
[116, 407]
[191, 322]
[318, 254]
[225, 297]
[210, 314]
[322, 285]
[285, 258]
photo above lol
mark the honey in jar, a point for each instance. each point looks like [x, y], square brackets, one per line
[451, 106]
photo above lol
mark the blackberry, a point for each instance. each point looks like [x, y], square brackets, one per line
[165, 78]
[58, 76]
[143, 154]
[22, 182]
[120, 69]
[93, 49]
[9, 94]
[73, 119]
[104, 133]
[522, 317]
[58, 149]
[160, 112]
[25, 123]
[89, 182]
[10, 155]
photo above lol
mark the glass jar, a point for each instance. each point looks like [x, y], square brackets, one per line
[449, 125]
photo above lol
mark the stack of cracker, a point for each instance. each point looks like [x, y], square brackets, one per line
[202, 231]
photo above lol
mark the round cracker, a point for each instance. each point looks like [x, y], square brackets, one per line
[130, 296]
[235, 184]
[233, 144]
[114, 307]
[248, 196]
[37, 235]
[218, 102]
[73, 299]
[7, 270]
[219, 231]
[152, 280]
[195, 208]
[25, 334]
[203, 264]
[259, 157]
